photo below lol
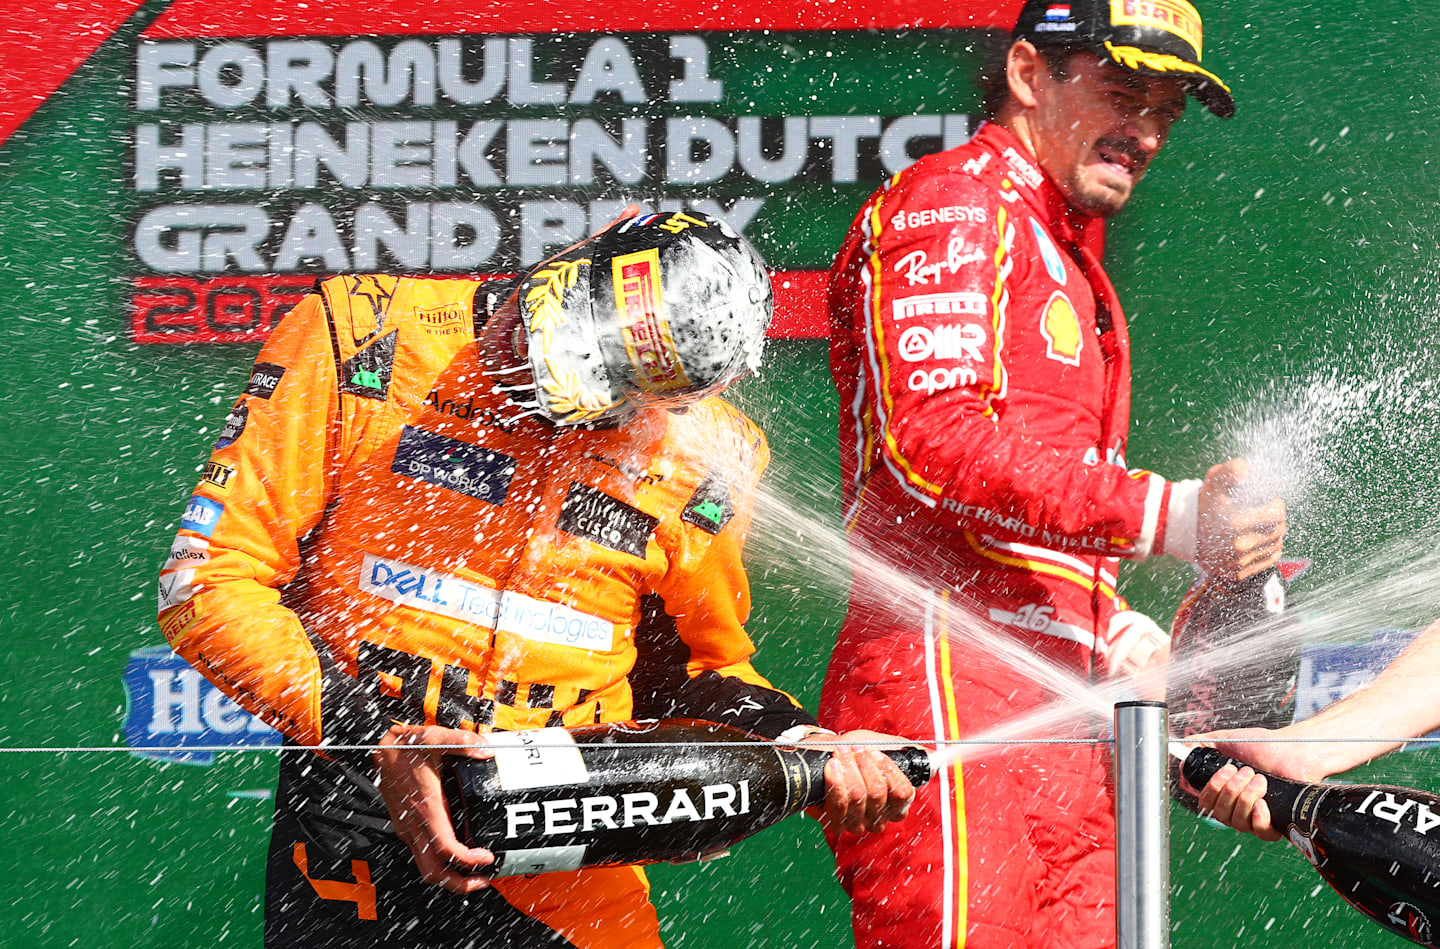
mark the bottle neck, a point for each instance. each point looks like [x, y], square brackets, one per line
[917, 764]
[1284, 797]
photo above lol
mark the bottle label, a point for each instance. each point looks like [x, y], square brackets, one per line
[1307, 805]
[514, 863]
[541, 758]
[1302, 843]
[1402, 812]
[598, 813]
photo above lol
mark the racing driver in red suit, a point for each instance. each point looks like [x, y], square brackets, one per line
[983, 367]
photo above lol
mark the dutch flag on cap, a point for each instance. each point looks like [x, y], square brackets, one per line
[1057, 11]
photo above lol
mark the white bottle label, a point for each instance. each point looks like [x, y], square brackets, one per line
[540, 860]
[541, 758]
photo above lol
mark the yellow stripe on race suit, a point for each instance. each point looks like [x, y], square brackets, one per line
[1040, 566]
[877, 324]
[952, 730]
[999, 303]
[878, 329]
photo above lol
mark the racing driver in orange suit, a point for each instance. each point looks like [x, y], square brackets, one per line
[983, 366]
[444, 507]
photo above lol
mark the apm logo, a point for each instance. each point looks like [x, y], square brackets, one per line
[171, 710]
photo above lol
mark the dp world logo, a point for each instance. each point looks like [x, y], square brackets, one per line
[173, 713]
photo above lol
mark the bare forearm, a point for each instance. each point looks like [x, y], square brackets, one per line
[1403, 701]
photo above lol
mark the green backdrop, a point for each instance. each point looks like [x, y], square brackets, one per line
[1290, 245]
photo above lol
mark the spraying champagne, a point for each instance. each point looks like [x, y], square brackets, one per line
[1218, 617]
[1218, 621]
[1372, 843]
[632, 792]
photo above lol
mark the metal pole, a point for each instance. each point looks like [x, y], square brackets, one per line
[1142, 826]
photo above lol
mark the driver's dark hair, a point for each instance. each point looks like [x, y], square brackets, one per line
[994, 88]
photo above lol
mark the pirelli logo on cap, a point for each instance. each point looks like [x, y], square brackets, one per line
[641, 308]
[1172, 16]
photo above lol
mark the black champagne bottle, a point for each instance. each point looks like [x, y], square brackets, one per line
[632, 792]
[1217, 620]
[1234, 656]
[1377, 845]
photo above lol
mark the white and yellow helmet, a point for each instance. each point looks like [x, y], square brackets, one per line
[658, 310]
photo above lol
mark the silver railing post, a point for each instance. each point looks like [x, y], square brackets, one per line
[1142, 826]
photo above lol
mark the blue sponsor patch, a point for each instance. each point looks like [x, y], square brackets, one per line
[173, 713]
[450, 463]
[201, 515]
[1054, 266]
[1331, 671]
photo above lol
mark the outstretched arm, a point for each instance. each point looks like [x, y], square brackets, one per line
[1401, 702]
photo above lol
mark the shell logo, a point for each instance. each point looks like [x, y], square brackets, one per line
[1061, 329]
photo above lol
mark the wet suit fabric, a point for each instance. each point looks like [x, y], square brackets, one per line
[982, 363]
[381, 536]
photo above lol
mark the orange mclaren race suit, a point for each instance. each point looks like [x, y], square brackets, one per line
[983, 369]
[380, 536]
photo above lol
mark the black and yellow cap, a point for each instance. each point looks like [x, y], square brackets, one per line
[1161, 37]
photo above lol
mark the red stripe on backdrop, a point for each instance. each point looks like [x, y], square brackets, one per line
[244, 308]
[42, 43]
[800, 310]
[195, 18]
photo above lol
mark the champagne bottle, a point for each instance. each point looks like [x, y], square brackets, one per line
[632, 792]
[1371, 843]
[1218, 619]
[1234, 657]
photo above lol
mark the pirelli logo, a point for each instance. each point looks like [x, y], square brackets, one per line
[178, 621]
[1172, 16]
[940, 304]
[641, 308]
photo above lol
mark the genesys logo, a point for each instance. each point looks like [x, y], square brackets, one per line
[445, 594]
[950, 214]
[174, 714]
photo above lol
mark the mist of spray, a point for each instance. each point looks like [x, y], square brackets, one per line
[1355, 456]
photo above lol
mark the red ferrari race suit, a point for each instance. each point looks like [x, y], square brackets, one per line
[380, 537]
[983, 368]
